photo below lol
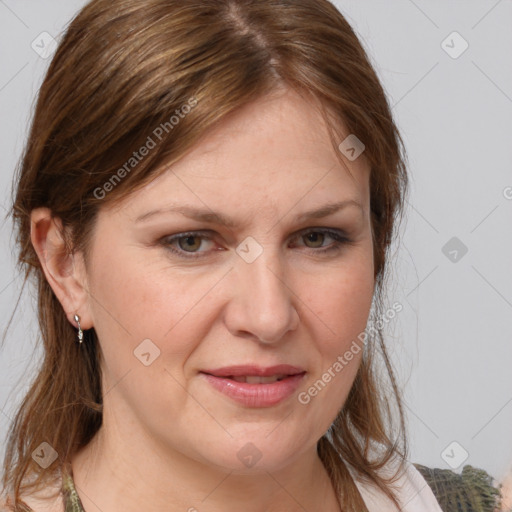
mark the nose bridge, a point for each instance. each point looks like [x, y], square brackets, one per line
[264, 304]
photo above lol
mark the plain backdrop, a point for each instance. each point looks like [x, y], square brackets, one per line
[446, 68]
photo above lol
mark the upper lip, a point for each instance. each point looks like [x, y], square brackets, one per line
[252, 370]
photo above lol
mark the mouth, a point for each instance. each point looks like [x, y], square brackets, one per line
[254, 379]
[254, 386]
[252, 374]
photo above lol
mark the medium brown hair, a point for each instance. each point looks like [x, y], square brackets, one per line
[124, 68]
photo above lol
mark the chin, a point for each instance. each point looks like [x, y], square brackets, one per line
[251, 455]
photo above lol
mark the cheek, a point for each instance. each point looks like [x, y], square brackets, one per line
[127, 298]
[341, 305]
[133, 300]
[341, 301]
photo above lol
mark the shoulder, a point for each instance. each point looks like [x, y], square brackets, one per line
[49, 500]
[41, 504]
[411, 489]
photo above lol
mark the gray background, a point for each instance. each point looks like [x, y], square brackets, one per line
[452, 342]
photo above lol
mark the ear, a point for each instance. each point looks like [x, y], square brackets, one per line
[65, 273]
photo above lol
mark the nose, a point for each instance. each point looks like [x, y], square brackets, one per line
[262, 302]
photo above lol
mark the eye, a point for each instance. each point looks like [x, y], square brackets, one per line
[317, 237]
[188, 245]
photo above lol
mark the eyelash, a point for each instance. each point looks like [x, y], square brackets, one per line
[339, 238]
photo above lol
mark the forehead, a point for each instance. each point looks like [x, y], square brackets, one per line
[266, 157]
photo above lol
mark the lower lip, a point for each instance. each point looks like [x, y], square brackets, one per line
[256, 395]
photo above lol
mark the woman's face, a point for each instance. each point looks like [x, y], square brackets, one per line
[272, 288]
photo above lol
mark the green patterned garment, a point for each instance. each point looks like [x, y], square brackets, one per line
[72, 501]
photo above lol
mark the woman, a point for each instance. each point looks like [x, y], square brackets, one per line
[206, 201]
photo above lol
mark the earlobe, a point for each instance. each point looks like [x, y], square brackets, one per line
[63, 271]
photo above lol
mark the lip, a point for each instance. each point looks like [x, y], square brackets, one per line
[255, 395]
[259, 371]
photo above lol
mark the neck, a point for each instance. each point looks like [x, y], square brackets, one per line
[110, 475]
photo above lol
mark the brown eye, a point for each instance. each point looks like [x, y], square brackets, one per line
[190, 243]
[324, 240]
[316, 238]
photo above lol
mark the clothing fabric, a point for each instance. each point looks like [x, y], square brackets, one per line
[72, 501]
[414, 494]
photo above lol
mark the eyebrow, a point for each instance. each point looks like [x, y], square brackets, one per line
[208, 216]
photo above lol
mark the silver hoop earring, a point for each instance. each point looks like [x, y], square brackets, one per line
[80, 332]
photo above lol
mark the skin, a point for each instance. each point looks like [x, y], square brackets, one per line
[169, 441]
